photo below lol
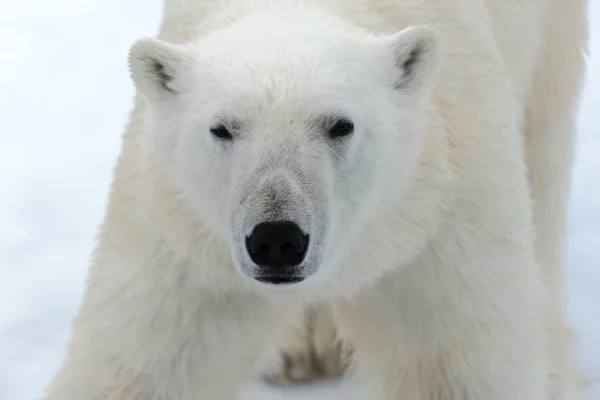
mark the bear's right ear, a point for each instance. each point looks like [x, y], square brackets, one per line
[158, 68]
[416, 55]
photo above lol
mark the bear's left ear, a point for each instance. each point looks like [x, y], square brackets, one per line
[416, 56]
[158, 68]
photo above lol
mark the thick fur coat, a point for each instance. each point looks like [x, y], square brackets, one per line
[422, 147]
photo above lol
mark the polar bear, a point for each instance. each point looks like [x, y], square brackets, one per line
[401, 165]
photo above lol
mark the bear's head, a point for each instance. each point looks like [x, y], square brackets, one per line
[287, 132]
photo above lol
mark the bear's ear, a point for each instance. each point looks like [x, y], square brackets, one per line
[158, 68]
[416, 55]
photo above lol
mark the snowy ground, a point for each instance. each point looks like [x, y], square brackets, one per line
[65, 98]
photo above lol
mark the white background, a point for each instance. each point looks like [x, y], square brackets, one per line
[65, 95]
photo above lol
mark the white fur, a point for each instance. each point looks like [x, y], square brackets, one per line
[436, 237]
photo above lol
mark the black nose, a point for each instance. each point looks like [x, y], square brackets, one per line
[277, 244]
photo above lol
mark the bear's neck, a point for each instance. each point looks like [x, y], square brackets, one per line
[184, 23]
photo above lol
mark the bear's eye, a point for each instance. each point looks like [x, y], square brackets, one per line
[221, 132]
[341, 127]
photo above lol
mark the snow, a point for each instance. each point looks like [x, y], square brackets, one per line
[62, 64]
